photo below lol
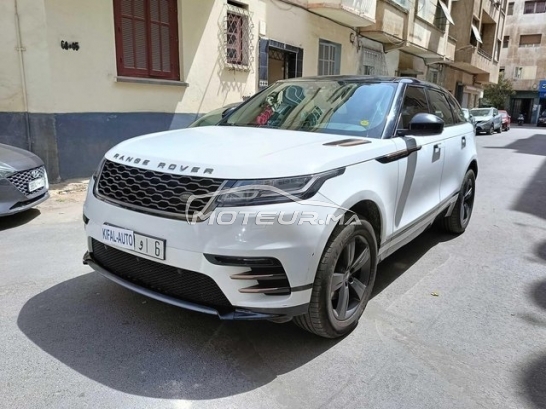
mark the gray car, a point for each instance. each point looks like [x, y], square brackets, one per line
[488, 120]
[23, 180]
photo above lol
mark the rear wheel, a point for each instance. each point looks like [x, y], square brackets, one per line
[500, 129]
[344, 281]
[460, 216]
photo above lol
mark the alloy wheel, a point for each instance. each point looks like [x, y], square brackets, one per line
[468, 202]
[350, 279]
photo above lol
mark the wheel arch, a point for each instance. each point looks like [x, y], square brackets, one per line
[474, 166]
[369, 210]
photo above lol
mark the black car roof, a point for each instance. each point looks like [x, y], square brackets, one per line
[364, 78]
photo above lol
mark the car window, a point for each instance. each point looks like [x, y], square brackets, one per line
[458, 114]
[440, 106]
[415, 102]
[495, 112]
[356, 108]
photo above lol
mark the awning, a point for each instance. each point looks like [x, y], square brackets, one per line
[446, 12]
[477, 33]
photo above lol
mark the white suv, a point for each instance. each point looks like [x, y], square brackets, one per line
[284, 209]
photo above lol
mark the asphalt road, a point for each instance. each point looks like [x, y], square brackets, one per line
[71, 339]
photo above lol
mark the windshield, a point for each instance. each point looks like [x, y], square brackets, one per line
[481, 112]
[346, 108]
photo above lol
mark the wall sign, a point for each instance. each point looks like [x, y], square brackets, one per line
[74, 45]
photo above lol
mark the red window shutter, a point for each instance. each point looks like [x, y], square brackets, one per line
[147, 38]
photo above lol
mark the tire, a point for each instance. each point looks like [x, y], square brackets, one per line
[491, 129]
[458, 221]
[500, 129]
[326, 317]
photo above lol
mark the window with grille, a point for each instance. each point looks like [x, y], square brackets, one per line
[505, 41]
[498, 50]
[517, 72]
[369, 70]
[235, 45]
[510, 8]
[531, 40]
[329, 58]
[534, 7]
[146, 34]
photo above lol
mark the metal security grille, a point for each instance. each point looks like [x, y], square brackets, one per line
[21, 179]
[171, 281]
[148, 191]
[329, 58]
[372, 62]
[238, 37]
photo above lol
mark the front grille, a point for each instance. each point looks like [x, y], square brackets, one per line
[175, 282]
[21, 179]
[155, 192]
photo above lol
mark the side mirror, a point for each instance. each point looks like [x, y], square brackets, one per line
[425, 125]
[228, 111]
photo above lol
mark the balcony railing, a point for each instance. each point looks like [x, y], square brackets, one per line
[356, 13]
[484, 54]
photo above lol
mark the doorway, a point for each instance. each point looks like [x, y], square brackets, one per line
[278, 61]
[522, 106]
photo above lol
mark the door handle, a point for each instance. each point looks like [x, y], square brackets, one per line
[463, 141]
[437, 148]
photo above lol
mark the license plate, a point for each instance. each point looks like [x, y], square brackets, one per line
[130, 240]
[36, 184]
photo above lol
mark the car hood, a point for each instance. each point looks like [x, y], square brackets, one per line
[19, 159]
[245, 153]
[483, 118]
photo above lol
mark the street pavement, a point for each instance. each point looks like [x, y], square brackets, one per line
[455, 322]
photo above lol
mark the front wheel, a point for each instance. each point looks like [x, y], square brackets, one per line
[491, 130]
[344, 281]
[457, 222]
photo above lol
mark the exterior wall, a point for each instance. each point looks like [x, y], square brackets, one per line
[297, 27]
[76, 108]
[531, 59]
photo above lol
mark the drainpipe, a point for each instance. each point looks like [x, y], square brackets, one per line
[20, 49]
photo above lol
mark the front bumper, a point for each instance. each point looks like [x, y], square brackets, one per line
[483, 126]
[298, 248]
[13, 201]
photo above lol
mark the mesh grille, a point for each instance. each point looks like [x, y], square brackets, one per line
[21, 179]
[154, 191]
[181, 284]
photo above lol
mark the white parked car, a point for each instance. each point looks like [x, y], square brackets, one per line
[286, 207]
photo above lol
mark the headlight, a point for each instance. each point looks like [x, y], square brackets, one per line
[6, 170]
[268, 191]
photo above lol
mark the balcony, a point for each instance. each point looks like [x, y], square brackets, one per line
[474, 61]
[391, 20]
[354, 13]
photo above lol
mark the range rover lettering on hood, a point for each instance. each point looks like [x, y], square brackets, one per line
[163, 165]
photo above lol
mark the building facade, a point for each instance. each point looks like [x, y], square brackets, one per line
[523, 58]
[78, 77]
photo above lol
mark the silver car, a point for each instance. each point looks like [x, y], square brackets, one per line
[23, 180]
[488, 120]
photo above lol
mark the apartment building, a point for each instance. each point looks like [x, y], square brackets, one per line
[523, 57]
